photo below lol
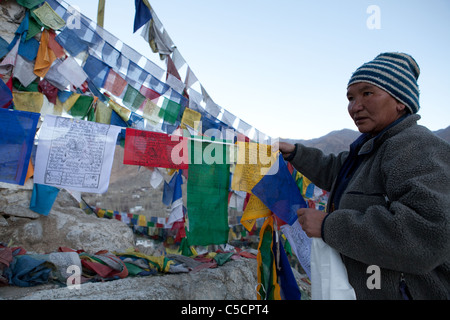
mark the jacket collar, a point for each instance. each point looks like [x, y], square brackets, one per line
[391, 130]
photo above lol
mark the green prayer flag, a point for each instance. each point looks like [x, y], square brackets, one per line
[133, 99]
[32, 87]
[81, 107]
[33, 28]
[207, 193]
[268, 288]
[169, 111]
[29, 4]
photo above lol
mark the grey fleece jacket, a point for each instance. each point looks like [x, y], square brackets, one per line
[394, 213]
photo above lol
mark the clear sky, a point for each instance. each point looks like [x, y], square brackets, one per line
[283, 66]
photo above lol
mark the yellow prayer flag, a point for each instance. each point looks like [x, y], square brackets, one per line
[28, 101]
[142, 222]
[102, 113]
[101, 213]
[255, 209]
[123, 112]
[306, 183]
[150, 111]
[190, 118]
[253, 162]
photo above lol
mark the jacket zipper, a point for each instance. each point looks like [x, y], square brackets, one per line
[406, 295]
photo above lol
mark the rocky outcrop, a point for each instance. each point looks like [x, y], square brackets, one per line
[235, 280]
[67, 225]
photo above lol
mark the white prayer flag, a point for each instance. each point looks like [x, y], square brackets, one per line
[75, 154]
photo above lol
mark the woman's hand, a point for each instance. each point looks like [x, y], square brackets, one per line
[286, 148]
[311, 221]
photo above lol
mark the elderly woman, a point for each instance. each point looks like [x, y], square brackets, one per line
[389, 201]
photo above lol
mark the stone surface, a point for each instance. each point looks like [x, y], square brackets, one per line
[65, 226]
[235, 280]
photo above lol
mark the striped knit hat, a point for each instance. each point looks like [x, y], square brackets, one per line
[395, 73]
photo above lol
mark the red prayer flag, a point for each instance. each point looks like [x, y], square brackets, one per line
[154, 149]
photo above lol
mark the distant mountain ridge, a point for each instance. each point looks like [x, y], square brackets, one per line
[340, 140]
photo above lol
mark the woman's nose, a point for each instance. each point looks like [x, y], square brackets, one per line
[355, 106]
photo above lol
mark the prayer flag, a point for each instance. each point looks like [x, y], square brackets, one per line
[55, 46]
[81, 107]
[169, 111]
[300, 243]
[133, 99]
[96, 70]
[150, 111]
[71, 70]
[48, 17]
[149, 93]
[207, 194]
[30, 4]
[45, 56]
[24, 71]
[154, 149]
[17, 131]
[190, 118]
[169, 190]
[42, 198]
[28, 49]
[142, 15]
[3, 47]
[6, 97]
[114, 83]
[255, 209]
[75, 154]
[268, 287]
[288, 284]
[69, 40]
[279, 192]
[253, 161]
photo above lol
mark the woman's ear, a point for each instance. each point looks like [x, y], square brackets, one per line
[400, 107]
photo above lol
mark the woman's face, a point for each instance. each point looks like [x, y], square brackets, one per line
[371, 108]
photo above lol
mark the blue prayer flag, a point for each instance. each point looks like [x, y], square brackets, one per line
[96, 70]
[177, 193]
[172, 190]
[69, 40]
[142, 15]
[6, 97]
[29, 49]
[3, 47]
[17, 131]
[42, 198]
[279, 192]
[287, 282]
